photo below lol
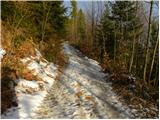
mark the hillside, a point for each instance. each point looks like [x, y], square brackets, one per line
[60, 61]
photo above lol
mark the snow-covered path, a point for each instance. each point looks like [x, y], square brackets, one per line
[82, 92]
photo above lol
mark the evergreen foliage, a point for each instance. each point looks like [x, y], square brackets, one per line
[40, 20]
[81, 26]
[119, 39]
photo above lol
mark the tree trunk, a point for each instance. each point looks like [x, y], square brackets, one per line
[133, 52]
[75, 29]
[147, 45]
[153, 58]
[104, 43]
[93, 39]
[102, 48]
[156, 76]
[133, 44]
[44, 24]
[114, 42]
[137, 68]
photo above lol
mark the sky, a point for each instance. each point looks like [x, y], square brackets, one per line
[83, 5]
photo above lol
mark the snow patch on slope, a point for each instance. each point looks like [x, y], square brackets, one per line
[25, 83]
[30, 93]
[2, 53]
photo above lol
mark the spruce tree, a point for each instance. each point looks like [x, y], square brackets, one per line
[74, 20]
[58, 17]
[81, 26]
[104, 34]
[128, 29]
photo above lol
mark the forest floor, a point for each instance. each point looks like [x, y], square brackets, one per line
[81, 92]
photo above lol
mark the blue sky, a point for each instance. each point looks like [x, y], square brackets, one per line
[83, 5]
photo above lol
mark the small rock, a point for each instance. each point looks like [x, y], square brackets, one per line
[154, 109]
[134, 110]
[146, 110]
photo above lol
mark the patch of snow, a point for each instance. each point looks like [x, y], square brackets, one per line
[38, 54]
[25, 60]
[27, 105]
[29, 84]
[43, 64]
[34, 65]
[50, 69]
[2, 53]
[28, 102]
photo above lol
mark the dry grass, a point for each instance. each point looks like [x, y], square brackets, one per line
[12, 68]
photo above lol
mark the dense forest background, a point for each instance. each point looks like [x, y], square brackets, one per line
[120, 35]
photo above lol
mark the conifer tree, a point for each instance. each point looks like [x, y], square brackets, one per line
[81, 26]
[128, 27]
[58, 17]
[74, 19]
[104, 34]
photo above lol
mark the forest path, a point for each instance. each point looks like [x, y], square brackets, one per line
[82, 92]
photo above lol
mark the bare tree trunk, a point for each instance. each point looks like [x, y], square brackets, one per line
[43, 14]
[153, 58]
[102, 48]
[137, 54]
[93, 39]
[75, 29]
[86, 31]
[44, 24]
[72, 32]
[133, 52]
[133, 44]
[104, 43]
[114, 42]
[147, 45]
[156, 76]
